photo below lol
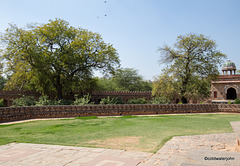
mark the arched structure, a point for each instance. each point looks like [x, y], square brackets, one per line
[227, 87]
[231, 94]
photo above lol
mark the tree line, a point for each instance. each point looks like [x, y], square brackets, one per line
[57, 59]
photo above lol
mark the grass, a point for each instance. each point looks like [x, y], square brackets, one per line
[141, 133]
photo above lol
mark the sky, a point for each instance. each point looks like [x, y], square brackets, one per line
[137, 28]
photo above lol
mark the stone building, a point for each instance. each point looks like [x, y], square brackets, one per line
[226, 87]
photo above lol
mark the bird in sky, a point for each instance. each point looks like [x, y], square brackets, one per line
[105, 14]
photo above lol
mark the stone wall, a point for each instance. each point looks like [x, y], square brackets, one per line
[96, 96]
[9, 95]
[8, 114]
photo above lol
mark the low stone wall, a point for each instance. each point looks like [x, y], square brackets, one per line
[8, 114]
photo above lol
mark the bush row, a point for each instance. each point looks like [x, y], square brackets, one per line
[85, 100]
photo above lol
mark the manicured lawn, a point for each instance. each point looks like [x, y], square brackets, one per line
[140, 133]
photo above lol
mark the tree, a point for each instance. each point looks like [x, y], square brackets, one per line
[2, 82]
[165, 86]
[125, 79]
[55, 56]
[106, 84]
[192, 61]
[128, 79]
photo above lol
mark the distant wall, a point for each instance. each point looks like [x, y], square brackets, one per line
[96, 96]
[9, 95]
[8, 114]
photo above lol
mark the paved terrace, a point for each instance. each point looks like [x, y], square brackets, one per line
[199, 150]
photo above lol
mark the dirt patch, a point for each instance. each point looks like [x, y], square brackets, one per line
[126, 143]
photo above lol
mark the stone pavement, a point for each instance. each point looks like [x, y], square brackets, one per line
[199, 150]
[22, 154]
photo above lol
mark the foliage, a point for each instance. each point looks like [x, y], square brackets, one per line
[137, 101]
[193, 63]
[2, 82]
[229, 102]
[44, 100]
[124, 79]
[106, 84]
[2, 103]
[160, 100]
[54, 56]
[129, 80]
[83, 100]
[236, 101]
[109, 101]
[24, 101]
[165, 86]
[63, 102]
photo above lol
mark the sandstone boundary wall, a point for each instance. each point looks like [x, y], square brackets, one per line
[8, 114]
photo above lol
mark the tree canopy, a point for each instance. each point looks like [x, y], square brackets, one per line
[55, 56]
[124, 79]
[191, 64]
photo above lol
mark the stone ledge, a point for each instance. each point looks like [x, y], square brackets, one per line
[8, 114]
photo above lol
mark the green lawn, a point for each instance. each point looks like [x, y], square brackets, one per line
[141, 133]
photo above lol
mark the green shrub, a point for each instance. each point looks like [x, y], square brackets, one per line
[2, 103]
[82, 101]
[24, 101]
[160, 100]
[44, 100]
[229, 102]
[64, 102]
[108, 100]
[236, 101]
[137, 101]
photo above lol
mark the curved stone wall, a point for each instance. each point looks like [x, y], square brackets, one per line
[8, 114]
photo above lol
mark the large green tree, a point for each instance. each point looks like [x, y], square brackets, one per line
[124, 79]
[165, 86]
[55, 56]
[192, 62]
[128, 79]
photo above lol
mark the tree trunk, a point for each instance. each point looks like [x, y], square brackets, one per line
[59, 88]
[183, 100]
[183, 91]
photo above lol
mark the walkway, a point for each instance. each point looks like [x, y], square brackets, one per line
[199, 150]
[48, 155]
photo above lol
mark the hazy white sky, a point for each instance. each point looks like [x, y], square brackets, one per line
[137, 28]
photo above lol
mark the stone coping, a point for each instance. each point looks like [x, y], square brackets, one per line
[8, 114]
